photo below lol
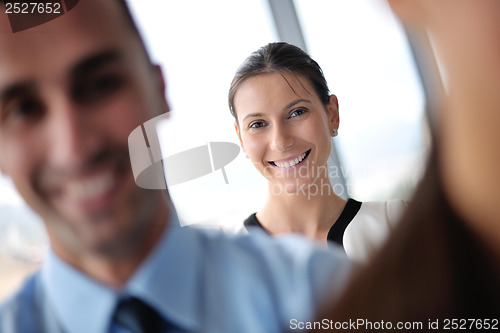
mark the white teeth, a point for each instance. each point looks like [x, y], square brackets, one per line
[292, 162]
[89, 188]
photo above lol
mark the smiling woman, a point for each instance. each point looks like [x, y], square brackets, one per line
[285, 118]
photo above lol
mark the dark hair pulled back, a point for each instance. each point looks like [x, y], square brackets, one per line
[280, 57]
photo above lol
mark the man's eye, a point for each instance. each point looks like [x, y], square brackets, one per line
[27, 108]
[98, 88]
[256, 124]
[297, 112]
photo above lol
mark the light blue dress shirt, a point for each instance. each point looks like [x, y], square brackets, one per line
[198, 280]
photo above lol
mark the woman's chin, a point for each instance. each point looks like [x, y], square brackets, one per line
[296, 187]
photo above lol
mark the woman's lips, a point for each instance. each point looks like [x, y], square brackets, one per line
[287, 163]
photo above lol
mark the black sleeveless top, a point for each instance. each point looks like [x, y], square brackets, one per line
[336, 233]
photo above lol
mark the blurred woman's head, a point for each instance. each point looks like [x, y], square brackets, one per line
[466, 37]
[443, 259]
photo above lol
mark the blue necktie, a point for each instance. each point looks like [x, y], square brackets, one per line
[138, 317]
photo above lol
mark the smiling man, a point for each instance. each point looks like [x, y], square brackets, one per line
[71, 92]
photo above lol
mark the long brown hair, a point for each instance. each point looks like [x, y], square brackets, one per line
[432, 267]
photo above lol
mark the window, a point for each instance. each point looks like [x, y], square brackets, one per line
[199, 45]
[367, 63]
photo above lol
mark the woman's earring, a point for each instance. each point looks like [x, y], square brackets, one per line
[246, 155]
[335, 132]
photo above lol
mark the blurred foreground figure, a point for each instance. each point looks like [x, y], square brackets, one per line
[444, 261]
[71, 92]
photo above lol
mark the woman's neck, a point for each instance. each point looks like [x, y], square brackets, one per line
[302, 212]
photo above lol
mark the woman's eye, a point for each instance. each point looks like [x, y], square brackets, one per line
[297, 112]
[256, 124]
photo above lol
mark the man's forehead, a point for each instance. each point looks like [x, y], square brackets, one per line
[91, 27]
[88, 13]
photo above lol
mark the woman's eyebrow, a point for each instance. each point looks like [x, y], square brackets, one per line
[297, 101]
[253, 115]
[288, 106]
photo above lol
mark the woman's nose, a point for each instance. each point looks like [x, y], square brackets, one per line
[282, 140]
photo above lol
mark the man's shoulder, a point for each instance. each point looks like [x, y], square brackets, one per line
[288, 270]
[16, 310]
[289, 258]
[25, 295]
[259, 244]
[29, 310]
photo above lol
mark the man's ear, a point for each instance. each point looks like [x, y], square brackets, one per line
[237, 129]
[333, 115]
[160, 82]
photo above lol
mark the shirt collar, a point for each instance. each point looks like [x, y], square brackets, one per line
[80, 303]
[167, 280]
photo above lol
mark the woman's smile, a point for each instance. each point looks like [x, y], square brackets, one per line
[291, 161]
